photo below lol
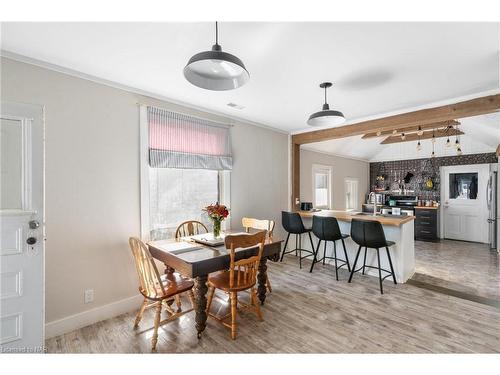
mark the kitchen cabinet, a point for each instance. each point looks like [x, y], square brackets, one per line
[427, 223]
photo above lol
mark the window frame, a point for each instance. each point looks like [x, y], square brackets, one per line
[355, 180]
[224, 179]
[320, 168]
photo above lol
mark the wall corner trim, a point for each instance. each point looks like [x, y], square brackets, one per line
[85, 318]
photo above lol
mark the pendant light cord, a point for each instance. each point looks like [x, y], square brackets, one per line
[325, 95]
[216, 33]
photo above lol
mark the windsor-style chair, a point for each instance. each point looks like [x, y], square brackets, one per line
[190, 228]
[158, 291]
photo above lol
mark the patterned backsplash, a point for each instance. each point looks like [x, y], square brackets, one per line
[423, 170]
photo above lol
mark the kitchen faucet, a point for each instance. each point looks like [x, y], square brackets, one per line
[374, 202]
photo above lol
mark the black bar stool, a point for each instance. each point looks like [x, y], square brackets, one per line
[327, 229]
[292, 223]
[370, 234]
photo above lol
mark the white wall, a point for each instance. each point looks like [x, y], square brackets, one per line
[92, 181]
[342, 168]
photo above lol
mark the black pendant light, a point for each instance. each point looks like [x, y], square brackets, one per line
[326, 117]
[216, 70]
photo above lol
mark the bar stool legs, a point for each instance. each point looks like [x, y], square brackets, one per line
[346, 258]
[380, 269]
[390, 264]
[284, 248]
[364, 261]
[298, 248]
[337, 266]
[354, 264]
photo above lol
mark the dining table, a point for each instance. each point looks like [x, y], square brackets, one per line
[197, 260]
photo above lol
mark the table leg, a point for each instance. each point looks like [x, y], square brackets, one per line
[200, 303]
[262, 278]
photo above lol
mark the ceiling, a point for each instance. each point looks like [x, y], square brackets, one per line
[376, 68]
[482, 134]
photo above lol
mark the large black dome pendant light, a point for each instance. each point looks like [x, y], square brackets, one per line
[216, 70]
[326, 117]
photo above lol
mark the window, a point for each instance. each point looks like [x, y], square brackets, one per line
[185, 163]
[351, 194]
[322, 181]
[463, 185]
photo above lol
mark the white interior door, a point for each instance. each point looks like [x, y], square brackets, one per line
[463, 192]
[21, 228]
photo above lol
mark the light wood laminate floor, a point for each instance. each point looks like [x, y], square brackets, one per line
[313, 313]
[462, 266]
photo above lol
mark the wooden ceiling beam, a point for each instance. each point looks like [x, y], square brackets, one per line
[473, 107]
[426, 135]
[409, 129]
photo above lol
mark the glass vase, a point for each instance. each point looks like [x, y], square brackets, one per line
[216, 228]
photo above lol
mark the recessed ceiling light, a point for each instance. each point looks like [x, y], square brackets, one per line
[234, 105]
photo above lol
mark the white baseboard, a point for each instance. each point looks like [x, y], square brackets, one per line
[85, 318]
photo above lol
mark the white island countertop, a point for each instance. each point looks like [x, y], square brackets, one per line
[349, 215]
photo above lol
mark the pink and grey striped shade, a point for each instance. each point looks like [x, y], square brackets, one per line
[180, 141]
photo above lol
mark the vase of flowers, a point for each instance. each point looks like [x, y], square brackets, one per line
[217, 212]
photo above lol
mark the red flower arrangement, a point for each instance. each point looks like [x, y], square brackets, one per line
[217, 212]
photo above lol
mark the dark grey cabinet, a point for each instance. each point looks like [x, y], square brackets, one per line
[427, 224]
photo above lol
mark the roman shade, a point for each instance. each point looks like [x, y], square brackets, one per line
[180, 141]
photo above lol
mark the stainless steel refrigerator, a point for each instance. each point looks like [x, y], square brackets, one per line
[491, 200]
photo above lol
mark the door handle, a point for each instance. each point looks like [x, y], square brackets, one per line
[31, 241]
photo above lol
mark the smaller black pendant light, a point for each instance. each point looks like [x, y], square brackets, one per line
[327, 116]
[216, 70]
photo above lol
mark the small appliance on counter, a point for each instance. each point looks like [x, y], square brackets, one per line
[306, 206]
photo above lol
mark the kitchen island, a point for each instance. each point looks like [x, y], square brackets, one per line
[398, 229]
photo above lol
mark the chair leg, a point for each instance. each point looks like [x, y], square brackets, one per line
[379, 273]
[390, 264]
[210, 297]
[268, 284]
[256, 304]
[154, 340]
[324, 253]
[311, 240]
[315, 255]
[364, 261]
[346, 257]
[354, 265]
[335, 256]
[284, 248]
[139, 314]
[191, 298]
[178, 302]
[234, 304]
[300, 251]
[297, 237]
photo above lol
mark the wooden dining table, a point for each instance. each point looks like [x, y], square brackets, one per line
[197, 261]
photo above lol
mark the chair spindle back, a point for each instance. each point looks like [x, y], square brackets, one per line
[149, 277]
[190, 228]
[246, 268]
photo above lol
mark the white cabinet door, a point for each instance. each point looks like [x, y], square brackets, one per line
[21, 228]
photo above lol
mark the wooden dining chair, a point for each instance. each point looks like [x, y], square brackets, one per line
[242, 275]
[190, 228]
[260, 224]
[158, 291]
